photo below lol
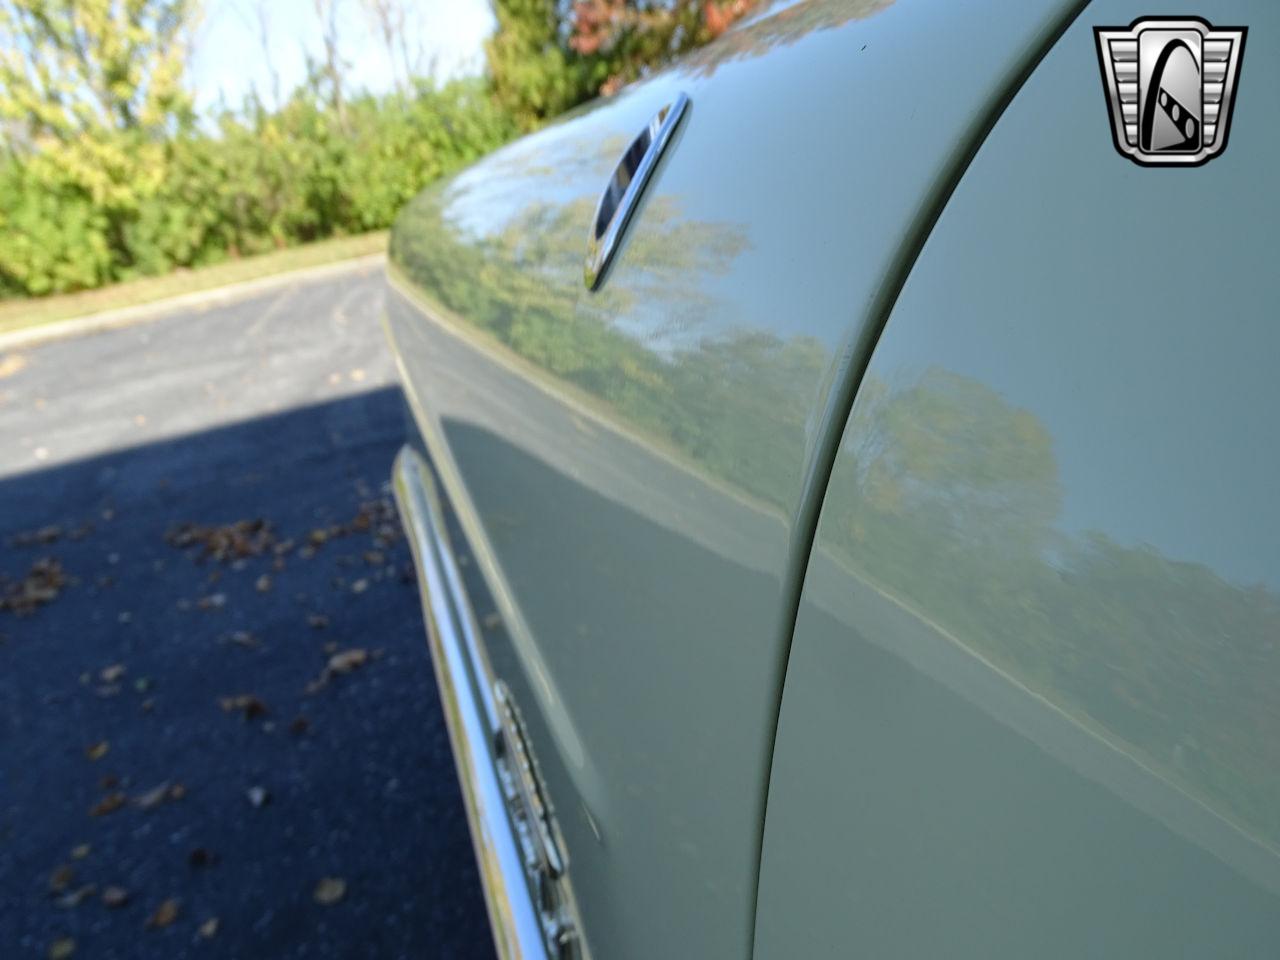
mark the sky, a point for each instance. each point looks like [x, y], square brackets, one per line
[229, 60]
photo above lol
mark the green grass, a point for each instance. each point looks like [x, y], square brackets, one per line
[16, 314]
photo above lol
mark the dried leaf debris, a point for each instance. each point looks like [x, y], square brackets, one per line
[226, 542]
[329, 891]
[115, 897]
[232, 547]
[39, 586]
[340, 663]
[246, 704]
[163, 793]
[164, 914]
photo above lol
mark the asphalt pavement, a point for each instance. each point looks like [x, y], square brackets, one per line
[219, 733]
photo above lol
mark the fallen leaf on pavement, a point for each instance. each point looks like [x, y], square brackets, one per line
[77, 897]
[108, 804]
[62, 948]
[348, 660]
[209, 929]
[317, 621]
[231, 541]
[263, 583]
[40, 586]
[300, 726]
[61, 878]
[329, 891]
[112, 674]
[97, 750]
[245, 703]
[243, 638]
[214, 601]
[30, 538]
[340, 663]
[153, 797]
[158, 795]
[115, 897]
[164, 914]
[80, 851]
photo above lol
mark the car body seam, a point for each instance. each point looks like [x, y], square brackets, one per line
[850, 369]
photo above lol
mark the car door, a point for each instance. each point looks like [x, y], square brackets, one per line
[1030, 708]
[631, 466]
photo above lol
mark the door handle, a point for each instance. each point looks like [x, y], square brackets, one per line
[622, 192]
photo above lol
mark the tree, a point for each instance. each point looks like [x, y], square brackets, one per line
[549, 55]
[332, 65]
[97, 86]
[92, 94]
[391, 21]
[258, 19]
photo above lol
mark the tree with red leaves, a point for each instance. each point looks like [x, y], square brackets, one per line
[549, 55]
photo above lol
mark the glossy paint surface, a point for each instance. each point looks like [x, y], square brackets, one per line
[1031, 707]
[628, 464]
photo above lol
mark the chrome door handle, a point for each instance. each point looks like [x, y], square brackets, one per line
[625, 186]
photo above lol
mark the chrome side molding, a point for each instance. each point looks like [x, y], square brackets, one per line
[517, 898]
[625, 186]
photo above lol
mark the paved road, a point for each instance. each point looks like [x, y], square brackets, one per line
[125, 628]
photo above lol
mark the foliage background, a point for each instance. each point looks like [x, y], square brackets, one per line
[107, 173]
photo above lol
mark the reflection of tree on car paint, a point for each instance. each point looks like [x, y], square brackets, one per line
[948, 477]
[641, 346]
[951, 487]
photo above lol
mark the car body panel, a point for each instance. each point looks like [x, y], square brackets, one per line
[631, 466]
[1031, 707]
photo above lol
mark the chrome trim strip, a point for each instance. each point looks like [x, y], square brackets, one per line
[626, 184]
[517, 930]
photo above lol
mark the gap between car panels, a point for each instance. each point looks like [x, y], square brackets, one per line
[846, 379]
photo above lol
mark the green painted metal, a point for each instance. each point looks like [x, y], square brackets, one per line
[1031, 703]
[635, 468]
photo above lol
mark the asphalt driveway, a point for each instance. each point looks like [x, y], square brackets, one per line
[218, 728]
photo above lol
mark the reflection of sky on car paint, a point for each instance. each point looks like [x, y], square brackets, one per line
[1155, 400]
[571, 167]
[567, 164]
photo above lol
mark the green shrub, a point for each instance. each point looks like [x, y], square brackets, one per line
[258, 180]
[50, 240]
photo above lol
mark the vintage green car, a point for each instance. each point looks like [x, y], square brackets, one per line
[848, 525]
